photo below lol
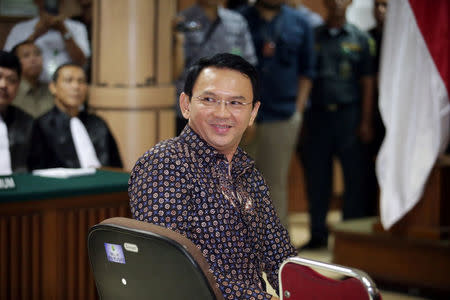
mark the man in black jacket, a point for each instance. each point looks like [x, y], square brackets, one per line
[15, 124]
[68, 137]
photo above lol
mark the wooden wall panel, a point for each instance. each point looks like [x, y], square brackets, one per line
[4, 254]
[43, 251]
[20, 266]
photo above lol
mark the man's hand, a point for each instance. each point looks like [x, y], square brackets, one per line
[365, 128]
[304, 88]
[42, 26]
[58, 24]
[275, 298]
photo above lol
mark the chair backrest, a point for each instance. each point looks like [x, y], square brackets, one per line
[298, 280]
[137, 260]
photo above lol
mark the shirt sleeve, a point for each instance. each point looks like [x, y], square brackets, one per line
[307, 55]
[80, 35]
[276, 245]
[367, 63]
[158, 192]
[14, 38]
[232, 289]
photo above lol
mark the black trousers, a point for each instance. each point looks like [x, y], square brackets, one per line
[330, 133]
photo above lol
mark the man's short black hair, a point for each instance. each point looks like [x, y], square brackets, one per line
[222, 61]
[10, 61]
[56, 73]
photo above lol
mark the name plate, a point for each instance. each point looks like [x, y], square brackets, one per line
[7, 183]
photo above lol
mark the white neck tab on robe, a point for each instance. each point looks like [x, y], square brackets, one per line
[83, 145]
[5, 155]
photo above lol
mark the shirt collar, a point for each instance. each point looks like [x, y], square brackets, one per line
[241, 161]
[344, 29]
[25, 86]
[60, 114]
[203, 18]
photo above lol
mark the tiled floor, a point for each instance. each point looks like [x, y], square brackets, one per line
[299, 234]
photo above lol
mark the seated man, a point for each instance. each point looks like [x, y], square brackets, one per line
[67, 137]
[33, 95]
[202, 185]
[15, 124]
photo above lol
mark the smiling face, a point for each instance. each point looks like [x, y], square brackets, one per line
[220, 125]
[69, 89]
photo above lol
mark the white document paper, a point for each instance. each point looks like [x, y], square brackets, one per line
[64, 172]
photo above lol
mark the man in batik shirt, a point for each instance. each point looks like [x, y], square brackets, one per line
[203, 186]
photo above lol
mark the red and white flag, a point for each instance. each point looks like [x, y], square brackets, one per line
[413, 101]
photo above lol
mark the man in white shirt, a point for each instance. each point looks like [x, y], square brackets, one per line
[61, 40]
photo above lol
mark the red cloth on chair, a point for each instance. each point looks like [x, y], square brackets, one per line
[303, 283]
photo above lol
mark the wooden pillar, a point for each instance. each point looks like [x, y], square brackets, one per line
[132, 72]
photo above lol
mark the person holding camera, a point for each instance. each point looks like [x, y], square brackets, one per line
[205, 29]
[61, 40]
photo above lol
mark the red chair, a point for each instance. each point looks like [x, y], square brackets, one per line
[298, 280]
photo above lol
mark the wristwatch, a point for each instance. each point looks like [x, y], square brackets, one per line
[67, 36]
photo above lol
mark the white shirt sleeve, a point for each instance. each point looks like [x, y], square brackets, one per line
[5, 155]
[19, 33]
[80, 36]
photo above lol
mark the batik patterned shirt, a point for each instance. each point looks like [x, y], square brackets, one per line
[224, 208]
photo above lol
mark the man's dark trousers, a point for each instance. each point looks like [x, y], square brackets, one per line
[333, 131]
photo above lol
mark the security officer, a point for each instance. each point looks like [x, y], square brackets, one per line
[338, 120]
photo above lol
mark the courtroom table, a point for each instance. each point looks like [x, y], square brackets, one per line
[43, 230]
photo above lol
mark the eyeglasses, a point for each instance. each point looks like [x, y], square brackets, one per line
[234, 105]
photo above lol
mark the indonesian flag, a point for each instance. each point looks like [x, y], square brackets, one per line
[414, 101]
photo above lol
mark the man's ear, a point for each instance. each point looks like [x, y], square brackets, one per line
[52, 88]
[254, 113]
[185, 105]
